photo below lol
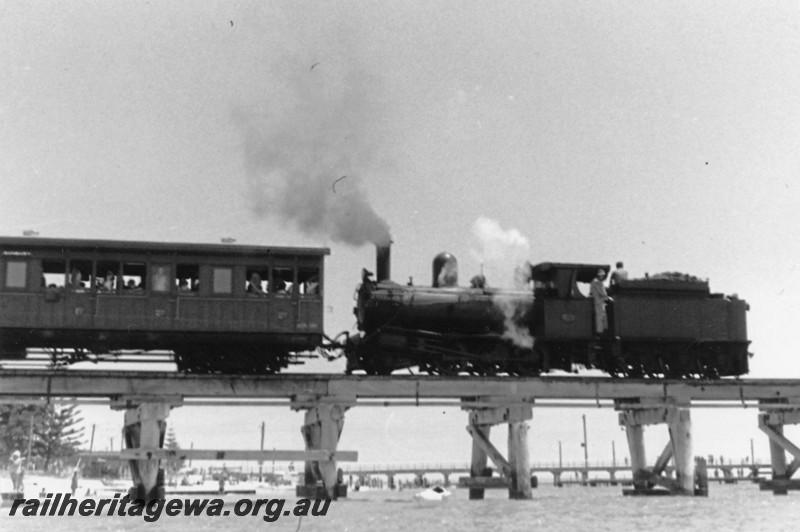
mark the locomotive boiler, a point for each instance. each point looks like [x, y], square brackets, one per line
[661, 327]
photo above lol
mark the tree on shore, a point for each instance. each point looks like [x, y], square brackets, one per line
[52, 432]
[15, 426]
[172, 444]
[61, 433]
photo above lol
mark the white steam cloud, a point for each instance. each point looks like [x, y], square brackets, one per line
[504, 254]
[501, 251]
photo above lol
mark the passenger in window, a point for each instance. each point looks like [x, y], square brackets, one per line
[108, 283]
[254, 286]
[183, 286]
[195, 285]
[280, 286]
[312, 286]
[131, 285]
[75, 279]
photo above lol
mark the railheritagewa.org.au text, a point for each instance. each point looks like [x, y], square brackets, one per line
[62, 504]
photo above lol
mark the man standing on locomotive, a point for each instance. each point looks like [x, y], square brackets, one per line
[600, 297]
[618, 275]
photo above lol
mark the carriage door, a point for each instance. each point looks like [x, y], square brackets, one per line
[79, 296]
[160, 302]
[309, 317]
[16, 304]
[284, 298]
[56, 286]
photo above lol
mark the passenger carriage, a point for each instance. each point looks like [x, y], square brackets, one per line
[218, 307]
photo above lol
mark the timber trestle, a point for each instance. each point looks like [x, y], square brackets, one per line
[771, 420]
[634, 416]
[516, 471]
[148, 397]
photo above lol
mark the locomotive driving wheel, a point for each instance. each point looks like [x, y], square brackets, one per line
[376, 367]
[442, 367]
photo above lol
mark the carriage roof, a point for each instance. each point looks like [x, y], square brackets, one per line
[129, 246]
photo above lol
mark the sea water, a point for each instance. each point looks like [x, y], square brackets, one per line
[728, 507]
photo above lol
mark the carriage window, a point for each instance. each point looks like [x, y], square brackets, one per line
[133, 277]
[257, 282]
[308, 281]
[223, 280]
[283, 280]
[161, 278]
[80, 274]
[16, 274]
[54, 273]
[107, 277]
[187, 278]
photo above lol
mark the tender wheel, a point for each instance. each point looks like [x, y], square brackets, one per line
[707, 372]
[665, 369]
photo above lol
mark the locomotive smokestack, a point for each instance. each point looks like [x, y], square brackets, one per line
[383, 262]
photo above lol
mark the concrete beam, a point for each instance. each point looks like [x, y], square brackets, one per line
[83, 383]
[126, 402]
[305, 402]
[497, 415]
[781, 417]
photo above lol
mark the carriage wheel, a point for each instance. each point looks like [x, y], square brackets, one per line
[665, 369]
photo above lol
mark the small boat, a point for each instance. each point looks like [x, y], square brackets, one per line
[432, 496]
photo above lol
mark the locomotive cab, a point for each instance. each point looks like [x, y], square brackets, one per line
[562, 309]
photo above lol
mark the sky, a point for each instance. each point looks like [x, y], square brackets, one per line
[662, 134]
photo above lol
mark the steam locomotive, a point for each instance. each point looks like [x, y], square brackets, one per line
[671, 327]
